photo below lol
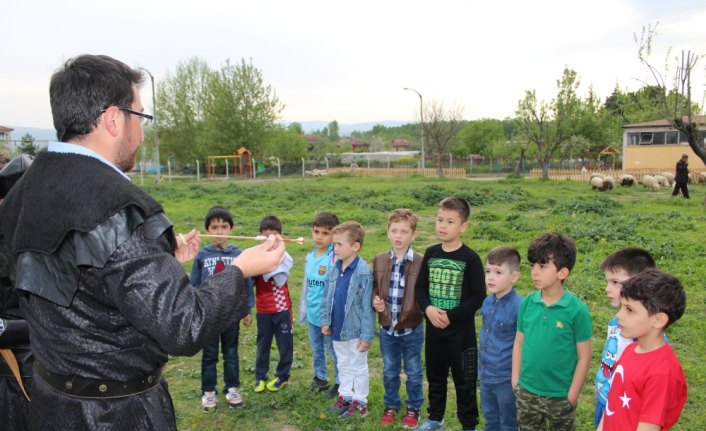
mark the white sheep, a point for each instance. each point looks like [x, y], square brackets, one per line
[608, 182]
[601, 184]
[669, 176]
[648, 181]
[702, 178]
[626, 180]
[597, 183]
[662, 181]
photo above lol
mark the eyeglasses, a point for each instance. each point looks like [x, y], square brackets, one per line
[144, 118]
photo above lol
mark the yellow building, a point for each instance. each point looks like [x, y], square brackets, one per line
[656, 146]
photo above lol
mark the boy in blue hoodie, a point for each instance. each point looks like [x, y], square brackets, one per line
[210, 260]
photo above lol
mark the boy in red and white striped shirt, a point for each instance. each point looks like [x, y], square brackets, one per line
[274, 318]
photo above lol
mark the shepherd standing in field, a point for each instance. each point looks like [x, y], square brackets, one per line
[681, 178]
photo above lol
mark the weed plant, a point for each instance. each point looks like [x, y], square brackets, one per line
[512, 211]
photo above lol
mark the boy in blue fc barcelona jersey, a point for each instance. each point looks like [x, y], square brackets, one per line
[317, 266]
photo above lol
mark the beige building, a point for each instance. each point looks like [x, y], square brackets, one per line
[656, 146]
[5, 139]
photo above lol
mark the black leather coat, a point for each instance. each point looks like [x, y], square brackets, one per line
[107, 300]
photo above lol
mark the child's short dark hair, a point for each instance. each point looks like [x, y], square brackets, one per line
[270, 222]
[326, 220]
[352, 229]
[403, 214]
[553, 246]
[631, 259]
[218, 212]
[658, 292]
[504, 255]
[460, 205]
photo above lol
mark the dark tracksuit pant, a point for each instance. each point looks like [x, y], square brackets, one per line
[452, 348]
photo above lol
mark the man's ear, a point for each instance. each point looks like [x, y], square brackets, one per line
[563, 273]
[110, 120]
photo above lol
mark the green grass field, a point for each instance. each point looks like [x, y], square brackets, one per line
[511, 211]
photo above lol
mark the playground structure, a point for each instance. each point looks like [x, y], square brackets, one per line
[241, 161]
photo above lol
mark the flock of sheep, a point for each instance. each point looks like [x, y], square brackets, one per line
[603, 182]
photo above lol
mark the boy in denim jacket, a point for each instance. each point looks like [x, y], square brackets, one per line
[347, 315]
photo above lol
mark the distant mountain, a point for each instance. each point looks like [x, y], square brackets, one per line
[37, 134]
[308, 126]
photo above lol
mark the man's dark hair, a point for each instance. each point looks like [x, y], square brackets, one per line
[218, 213]
[326, 220]
[83, 87]
[631, 259]
[658, 292]
[553, 246]
[504, 255]
[460, 205]
[270, 222]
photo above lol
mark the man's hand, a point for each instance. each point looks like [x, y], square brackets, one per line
[326, 330]
[437, 317]
[363, 347]
[378, 304]
[247, 320]
[262, 258]
[188, 245]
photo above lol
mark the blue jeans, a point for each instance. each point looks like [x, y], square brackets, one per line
[231, 366]
[394, 350]
[278, 325]
[319, 344]
[497, 401]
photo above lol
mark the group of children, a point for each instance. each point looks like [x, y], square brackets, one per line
[534, 352]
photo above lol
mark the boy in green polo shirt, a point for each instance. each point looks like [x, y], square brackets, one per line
[552, 350]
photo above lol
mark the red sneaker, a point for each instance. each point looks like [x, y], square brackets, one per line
[411, 419]
[388, 418]
[340, 406]
[355, 407]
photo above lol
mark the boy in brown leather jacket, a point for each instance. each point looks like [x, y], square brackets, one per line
[401, 332]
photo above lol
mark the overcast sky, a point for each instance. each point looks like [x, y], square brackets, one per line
[348, 61]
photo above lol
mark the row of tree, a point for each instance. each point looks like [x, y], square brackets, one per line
[204, 111]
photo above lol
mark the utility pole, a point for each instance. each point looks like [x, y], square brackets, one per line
[421, 119]
[156, 128]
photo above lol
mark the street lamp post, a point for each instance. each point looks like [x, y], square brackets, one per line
[154, 118]
[421, 119]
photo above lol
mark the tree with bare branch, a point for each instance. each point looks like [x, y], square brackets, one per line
[440, 129]
[674, 101]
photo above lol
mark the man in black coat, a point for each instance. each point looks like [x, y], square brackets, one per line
[682, 177]
[16, 361]
[99, 268]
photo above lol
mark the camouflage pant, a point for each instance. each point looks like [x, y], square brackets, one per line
[535, 412]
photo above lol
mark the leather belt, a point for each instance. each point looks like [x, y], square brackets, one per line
[80, 387]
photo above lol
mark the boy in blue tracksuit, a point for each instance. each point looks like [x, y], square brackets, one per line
[210, 260]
